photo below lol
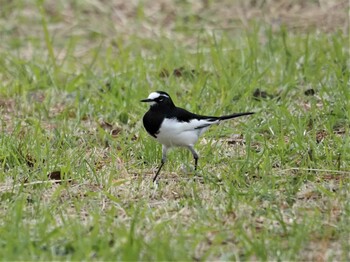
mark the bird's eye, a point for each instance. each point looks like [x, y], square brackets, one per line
[160, 99]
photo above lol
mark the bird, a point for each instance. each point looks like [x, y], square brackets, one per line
[173, 126]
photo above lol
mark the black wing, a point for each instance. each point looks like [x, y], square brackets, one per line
[185, 116]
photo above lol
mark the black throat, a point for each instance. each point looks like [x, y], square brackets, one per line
[154, 117]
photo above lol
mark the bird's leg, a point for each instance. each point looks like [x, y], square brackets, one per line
[160, 167]
[164, 152]
[195, 156]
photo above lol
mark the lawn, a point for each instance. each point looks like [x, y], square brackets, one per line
[76, 164]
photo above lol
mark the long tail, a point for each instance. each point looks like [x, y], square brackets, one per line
[235, 115]
[205, 121]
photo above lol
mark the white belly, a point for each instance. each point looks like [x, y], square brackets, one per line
[173, 133]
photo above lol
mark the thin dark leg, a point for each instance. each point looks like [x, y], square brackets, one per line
[195, 162]
[160, 167]
[164, 151]
[195, 156]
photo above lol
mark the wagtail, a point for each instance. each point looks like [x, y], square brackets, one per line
[176, 127]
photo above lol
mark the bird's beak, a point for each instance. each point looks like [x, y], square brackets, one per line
[146, 100]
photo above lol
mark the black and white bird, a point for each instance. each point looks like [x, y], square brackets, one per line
[176, 127]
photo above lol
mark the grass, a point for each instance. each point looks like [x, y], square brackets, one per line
[76, 164]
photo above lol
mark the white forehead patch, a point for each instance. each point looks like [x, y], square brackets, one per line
[154, 95]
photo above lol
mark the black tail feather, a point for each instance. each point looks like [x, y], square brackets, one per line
[235, 115]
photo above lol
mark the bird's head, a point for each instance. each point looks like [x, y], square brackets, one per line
[159, 98]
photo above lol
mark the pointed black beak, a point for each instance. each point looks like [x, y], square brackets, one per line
[146, 100]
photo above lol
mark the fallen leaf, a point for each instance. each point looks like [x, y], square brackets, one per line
[310, 92]
[260, 94]
[55, 175]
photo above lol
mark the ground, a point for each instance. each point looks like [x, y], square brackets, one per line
[76, 165]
